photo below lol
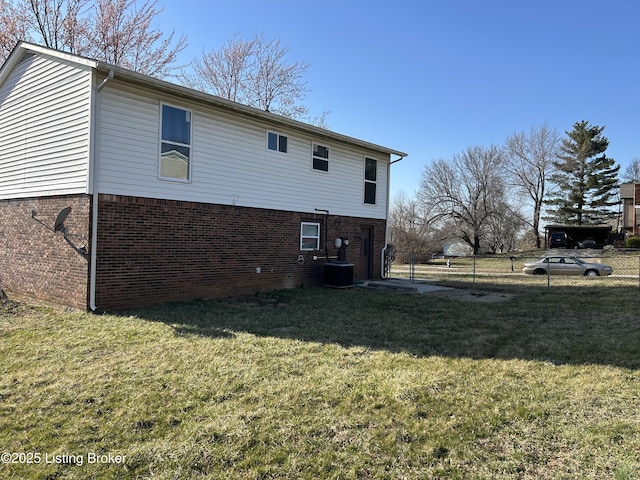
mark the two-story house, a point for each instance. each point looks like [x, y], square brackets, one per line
[119, 190]
[630, 197]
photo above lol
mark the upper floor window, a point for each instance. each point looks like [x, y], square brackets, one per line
[370, 180]
[175, 143]
[276, 142]
[320, 158]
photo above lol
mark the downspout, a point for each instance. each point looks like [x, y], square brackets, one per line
[386, 230]
[95, 191]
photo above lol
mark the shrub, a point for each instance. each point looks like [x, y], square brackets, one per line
[633, 242]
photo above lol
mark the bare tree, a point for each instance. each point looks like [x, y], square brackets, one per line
[530, 159]
[123, 35]
[225, 72]
[469, 189]
[59, 24]
[76, 27]
[277, 85]
[14, 25]
[408, 231]
[504, 228]
[257, 73]
[114, 31]
[47, 16]
[632, 172]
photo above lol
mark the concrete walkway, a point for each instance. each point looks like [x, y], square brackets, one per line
[404, 285]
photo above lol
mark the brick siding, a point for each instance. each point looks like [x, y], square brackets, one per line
[152, 250]
[36, 262]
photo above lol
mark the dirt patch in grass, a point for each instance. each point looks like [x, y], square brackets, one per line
[255, 301]
[10, 307]
[474, 295]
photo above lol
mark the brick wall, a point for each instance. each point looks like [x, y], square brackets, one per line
[38, 263]
[153, 250]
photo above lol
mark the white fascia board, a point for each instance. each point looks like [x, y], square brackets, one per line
[23, 47]
[213, 100]
[190, 94]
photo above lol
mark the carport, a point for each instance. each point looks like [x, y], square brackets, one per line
[578, 233]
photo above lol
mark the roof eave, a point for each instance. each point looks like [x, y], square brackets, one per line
[202, 97]
[189, 94]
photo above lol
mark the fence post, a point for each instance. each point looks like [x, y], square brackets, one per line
[474, 271]
[412, 267]
[548, 277]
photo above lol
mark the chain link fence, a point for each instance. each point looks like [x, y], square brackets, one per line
[505, 271]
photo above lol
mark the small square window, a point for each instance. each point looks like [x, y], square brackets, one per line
[309, 236]
[282, 144]
[370, 193]
[370, 169]
[277, 142]
[320, 158]
[272, 141]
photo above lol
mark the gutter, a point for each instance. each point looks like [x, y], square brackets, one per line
[197, 96]
[93, 162]
[386, 230]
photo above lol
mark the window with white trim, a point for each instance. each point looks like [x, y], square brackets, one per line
[277, 142]
[370, 180]
[175, 143]
[320, 157]
[310, 236]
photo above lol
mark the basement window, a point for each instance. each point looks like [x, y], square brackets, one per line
[175, 143]
[310, 236]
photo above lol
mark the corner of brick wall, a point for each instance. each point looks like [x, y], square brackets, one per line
[38, 263]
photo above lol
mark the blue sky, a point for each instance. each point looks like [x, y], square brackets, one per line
[432, 78]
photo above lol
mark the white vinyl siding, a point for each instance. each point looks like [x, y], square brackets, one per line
[45, 107]
[229, 162]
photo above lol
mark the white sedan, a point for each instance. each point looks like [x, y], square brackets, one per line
[559, 265]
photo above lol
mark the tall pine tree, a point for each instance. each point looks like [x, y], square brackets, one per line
[586, 178]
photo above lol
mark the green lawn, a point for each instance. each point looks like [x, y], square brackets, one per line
[322, 383]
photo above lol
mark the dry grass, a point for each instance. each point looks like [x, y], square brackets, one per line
[328, 384]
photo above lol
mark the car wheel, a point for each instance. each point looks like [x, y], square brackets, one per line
[539, 271]
[591, 273]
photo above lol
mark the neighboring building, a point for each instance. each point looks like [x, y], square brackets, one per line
[630, 196]
[174, 194]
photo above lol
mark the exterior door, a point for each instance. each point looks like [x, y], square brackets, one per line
[366, 252]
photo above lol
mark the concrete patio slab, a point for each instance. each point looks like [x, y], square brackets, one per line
[404, 285]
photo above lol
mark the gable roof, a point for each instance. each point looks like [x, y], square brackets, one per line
[197, 96]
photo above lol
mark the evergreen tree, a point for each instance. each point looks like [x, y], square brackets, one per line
[585, 177]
